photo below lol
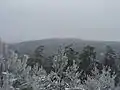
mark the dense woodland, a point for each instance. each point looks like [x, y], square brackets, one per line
[68, 69]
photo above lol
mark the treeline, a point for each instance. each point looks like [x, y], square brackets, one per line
[85, 60]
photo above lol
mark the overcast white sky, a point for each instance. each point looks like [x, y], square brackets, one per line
[38, 19]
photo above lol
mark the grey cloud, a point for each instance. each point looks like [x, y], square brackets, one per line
[37, 19]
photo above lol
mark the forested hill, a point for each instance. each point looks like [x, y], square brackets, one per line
[52, 45]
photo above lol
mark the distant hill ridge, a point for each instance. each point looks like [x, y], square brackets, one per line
[52, 45]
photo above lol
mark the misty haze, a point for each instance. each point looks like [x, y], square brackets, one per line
[59, 45]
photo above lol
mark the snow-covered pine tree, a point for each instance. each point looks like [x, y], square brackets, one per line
[72, 77]
[104, 81]
[57, 75]
[38, 78]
